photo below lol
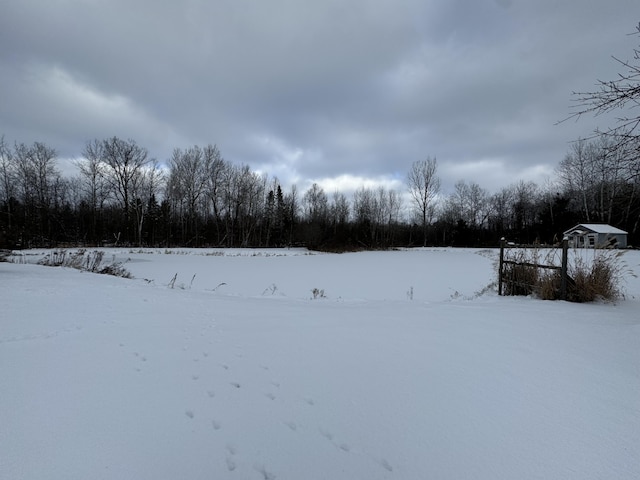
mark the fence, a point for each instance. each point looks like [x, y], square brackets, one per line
[517, 284]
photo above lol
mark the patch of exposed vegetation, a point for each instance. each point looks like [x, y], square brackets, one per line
[85, 261]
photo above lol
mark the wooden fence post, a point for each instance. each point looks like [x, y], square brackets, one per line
[563, 271]
[502, 243]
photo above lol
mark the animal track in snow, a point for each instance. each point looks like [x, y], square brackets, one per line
[216, 425]
[292, 426]
[329, 436]
[189, 413]
[231, 464]
[266, 475]
[326, 434]
[270, 396]
[235, 384]
[211, 393]
[142, 358]
[386, 465]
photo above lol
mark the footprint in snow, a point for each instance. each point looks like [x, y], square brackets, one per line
[189, 413]
[292, 426]
[231, 463]
[216, 425]
[326, 434]
[235, 384]
[266, 475]
[211, 393]
[329, 436]
[270, 396]
[142, 358]
[386, 465]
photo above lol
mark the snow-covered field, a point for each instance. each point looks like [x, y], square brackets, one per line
[404, 366]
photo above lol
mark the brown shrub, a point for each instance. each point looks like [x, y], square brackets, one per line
[589, 279]
[548, 286]
[596, 280]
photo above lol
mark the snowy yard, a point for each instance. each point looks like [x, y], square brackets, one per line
[404, 366]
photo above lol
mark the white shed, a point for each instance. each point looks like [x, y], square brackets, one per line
[596, 235]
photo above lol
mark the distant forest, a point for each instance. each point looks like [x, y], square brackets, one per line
[121, 197]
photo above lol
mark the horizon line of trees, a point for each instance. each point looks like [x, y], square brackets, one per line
[120, 196]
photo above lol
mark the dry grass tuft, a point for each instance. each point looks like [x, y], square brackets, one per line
[85, 261]
[598, 279]
[590, 279]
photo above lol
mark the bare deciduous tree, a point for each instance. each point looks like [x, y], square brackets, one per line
[424, 187]
[616, 95]
[145, 192]
[125, 161]
[216, 166]
[576, 173]
[501, 208]
[316, 204]
[7, 179]
[36, 177]
[93, 182]
[187, 186]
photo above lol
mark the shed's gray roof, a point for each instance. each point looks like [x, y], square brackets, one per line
[595, 228]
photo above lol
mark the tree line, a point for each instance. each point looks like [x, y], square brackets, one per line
[121, 196]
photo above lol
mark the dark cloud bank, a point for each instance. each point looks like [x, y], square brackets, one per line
[334, 92]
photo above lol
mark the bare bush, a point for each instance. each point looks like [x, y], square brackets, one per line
[522, 277]
[548, 286]
[318, 293]
[598, 279]
[85, 261]
[93, 260]
[588, 279]
[115, 269]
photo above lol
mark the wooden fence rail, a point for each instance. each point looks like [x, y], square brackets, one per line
[505, 279]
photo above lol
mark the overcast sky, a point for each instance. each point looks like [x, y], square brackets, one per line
[330, 91]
